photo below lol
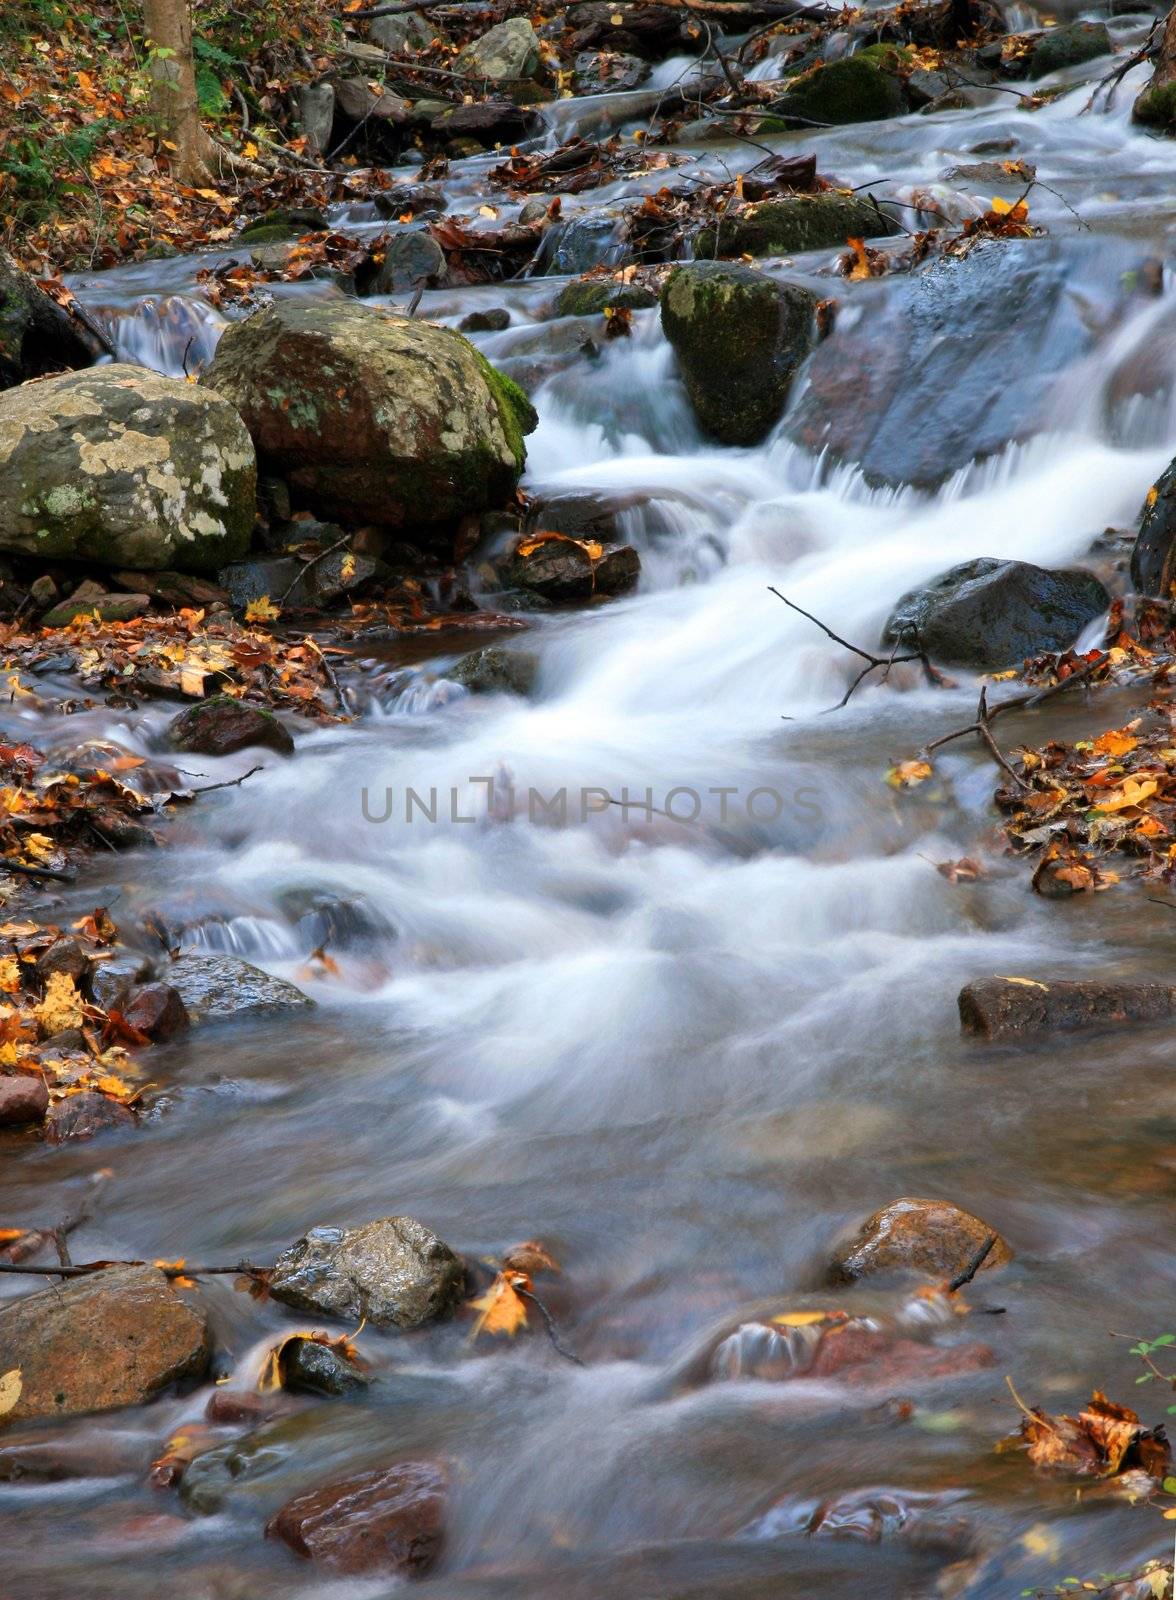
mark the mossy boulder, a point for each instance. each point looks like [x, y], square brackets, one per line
[125, 468]
[860, 88]
[589, 297]
[793, 224]
[739, 337]
[1155, 107]
[372, 417]
[1057, 48]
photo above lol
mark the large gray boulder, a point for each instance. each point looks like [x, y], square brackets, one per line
[739, 337]
[395, 1272]
[114, 1338]
[508, 50]
[373, 417]
[988, 614]
[125, 468]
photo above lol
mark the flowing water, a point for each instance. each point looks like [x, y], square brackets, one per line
[687, 1053]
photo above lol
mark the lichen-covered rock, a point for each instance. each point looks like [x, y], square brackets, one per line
[931, 1237]
[508, 50]
[371, 416]
[739, 337]
[114, 1338]
[855, 89]
[988, 614]
[788, 226]
[395, 1272]
[608, 71]
[221, 725]
[122, 467]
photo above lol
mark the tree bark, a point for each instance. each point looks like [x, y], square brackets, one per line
[172, 68]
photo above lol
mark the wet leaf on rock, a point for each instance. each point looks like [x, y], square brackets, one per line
[1102, 1441]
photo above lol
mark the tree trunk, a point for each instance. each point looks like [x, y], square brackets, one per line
[173, 86]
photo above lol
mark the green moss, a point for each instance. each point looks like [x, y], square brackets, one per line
[853, 90]
[888, 57]
[515, 411]
[786, 227]
[588, 297]
[1156, 107]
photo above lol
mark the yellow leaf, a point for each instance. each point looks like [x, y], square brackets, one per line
[1027, 983]
[62, 1006]
[800, 1319]
[616, 19]
[502, 1309]
[9, 975]
[1001, 207]
[347, 568]
[1115, 742]
[11, 1383]
[1133, 793]
[262, 610]
[906, 774]
[487, 211]
[249, 150]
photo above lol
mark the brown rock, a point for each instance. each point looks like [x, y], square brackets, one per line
[221, 725]
[1011, 1008]
[23, 1099]
[617, 570]
[932, 1237]
[114, 1338]
[384, 1521]
[81, 1116]
[63, 955]
[157, 1010]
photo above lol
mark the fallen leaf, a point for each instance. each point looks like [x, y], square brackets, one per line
[11, 1384]
[501, 1309]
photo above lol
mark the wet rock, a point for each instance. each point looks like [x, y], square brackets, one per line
[174, 588]
[1011, 1008]
[930, 1521]
[283, 222]
[988, 614]
[221, 725]
[214, 987]
[114, 1338]
[398, 35]
[947, 367]
[490, 122]
[579, 245]
[581, 513]
[508, 50]
[617, 570]
[648, 30]
[590, 297]
[608, 72]
[1036, 55]
[394, 1272]
[356, 100]
[23, 1099]
[107, 607]
[557, 569]
[316, 115]
[123, 467]
[496, 671]
[493, 320]
[157, 1010]
[789, 226]
[739, 337]
[277, 578]
[64, 955]
[1153, 560]
[371, 416]
[112, 980]
[410, 258]
[386, 1521]
[36, 335]
[85, 1115]
[854, 89]
[320, 1369]
[932, 1237]
[421, 199]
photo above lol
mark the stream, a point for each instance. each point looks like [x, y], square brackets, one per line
[685, 1054]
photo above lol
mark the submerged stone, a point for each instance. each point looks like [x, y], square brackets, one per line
[932, 1237]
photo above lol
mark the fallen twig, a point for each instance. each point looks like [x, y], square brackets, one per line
[974, 1265]
[568, 1355]
[313, 562]
[229, 783]
[873, 661]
